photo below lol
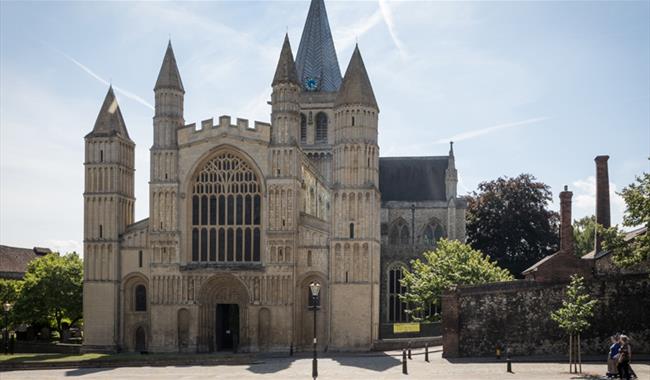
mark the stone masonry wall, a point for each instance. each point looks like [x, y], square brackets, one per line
[517, 314]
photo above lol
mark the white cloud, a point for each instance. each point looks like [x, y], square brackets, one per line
[484, 131]
[584, 199]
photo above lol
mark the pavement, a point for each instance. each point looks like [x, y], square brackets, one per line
[377, 366]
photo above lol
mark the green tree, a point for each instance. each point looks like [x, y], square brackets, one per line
[52, 290]
[584, 235]
[509, 220]
[637, 213]
[450, 264]
[574, 317]
[10, 292]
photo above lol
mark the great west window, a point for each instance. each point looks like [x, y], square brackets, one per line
[226, 211]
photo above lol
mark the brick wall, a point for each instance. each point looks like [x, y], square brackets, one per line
[517, 314]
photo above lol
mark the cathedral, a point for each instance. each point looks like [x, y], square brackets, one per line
[244, 216]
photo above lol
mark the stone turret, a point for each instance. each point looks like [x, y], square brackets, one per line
[355, 236]
[285, 107]
[451, 174]
[108, 208]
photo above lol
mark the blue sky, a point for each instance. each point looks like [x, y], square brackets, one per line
[535, 87]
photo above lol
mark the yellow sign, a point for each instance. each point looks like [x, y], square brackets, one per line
[406, 328]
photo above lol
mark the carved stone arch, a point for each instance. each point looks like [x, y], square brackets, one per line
[304, 328]
[222, 289]
[395, 308]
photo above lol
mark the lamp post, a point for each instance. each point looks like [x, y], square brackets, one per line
[314, 288]
[6, 307]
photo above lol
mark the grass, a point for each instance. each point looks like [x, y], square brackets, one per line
[91, 357]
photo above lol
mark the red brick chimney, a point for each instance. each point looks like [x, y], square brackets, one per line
[602, 198]
[566, 229]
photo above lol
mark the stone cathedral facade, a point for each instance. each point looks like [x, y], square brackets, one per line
[244, 215]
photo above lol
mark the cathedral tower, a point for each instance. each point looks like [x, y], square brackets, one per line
[163, 184]
[108, 209]
[355, 242]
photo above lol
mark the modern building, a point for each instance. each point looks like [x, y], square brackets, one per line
[245, 215]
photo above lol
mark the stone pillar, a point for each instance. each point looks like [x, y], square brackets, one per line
[450, 324]
[566, 229]
[602, 197]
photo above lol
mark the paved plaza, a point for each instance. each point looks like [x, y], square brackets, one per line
[380, 366]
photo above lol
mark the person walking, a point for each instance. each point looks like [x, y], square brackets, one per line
[624, 357]
[612, 357]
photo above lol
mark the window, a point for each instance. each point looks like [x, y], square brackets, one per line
[140, 298]
[399, 233]
[396, 308]
[351, 230]
[226, 211]
[303, 128]
[321, 127]
[140, 259]
[309, 259]
[353, 121]
[432, 233]
[101, 232]
[101, 156]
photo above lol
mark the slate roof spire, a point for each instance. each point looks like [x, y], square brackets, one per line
[169, 77]
[110, 121]
[356, 87]
[286, 69]
[316, 58]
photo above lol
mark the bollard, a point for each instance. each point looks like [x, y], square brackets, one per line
[291, 349]
[404, 368]
[409, 346]
[426, 352]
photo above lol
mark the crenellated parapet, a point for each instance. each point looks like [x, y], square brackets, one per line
[242, 128]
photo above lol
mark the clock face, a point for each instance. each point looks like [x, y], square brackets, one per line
[311, 84]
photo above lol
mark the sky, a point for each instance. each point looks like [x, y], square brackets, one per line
[520, 87]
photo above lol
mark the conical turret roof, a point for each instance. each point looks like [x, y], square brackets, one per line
[110, 121]
[316, 58]
[169, 77]
[286, 70]
[356, 87]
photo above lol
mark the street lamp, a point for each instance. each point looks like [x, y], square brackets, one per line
[314, 288]
[6, 307]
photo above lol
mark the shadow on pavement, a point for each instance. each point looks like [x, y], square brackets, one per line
[85, 371]
[377, 362]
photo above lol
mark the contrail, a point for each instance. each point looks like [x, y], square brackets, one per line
[388, 19]
[88, 71]
[484, 131]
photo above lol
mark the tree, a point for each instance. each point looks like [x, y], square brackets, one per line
[52, 290]
[584, 235]
[637, 213]
[10, 292]
[508, 219]
[573, 317]
[450, 264]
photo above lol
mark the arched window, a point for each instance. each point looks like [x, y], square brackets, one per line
[351, 230]
[226, 211]
[432, 233]
[399, 233]
[101, 231]
[140, 298]
[303, 128]
[321, 127]
[396, 307]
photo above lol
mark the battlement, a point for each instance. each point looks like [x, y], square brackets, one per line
[224, 128]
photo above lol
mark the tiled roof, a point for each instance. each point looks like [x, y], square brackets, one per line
[14, 260]
[356, 87]
[110, 121]
[413, 178]
[169, 77]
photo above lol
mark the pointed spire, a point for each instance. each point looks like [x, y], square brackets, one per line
[169, 77]
[110, 121]
[316, 58]
[356, 87]
[286, 70]
[451, 149]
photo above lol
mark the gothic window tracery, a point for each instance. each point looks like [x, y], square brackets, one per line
[399, 233]
[432, 233]
[396, 307]
[226, 211]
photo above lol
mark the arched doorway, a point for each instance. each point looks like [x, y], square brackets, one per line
[223, 314]
[305, 326]
[140, 340]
